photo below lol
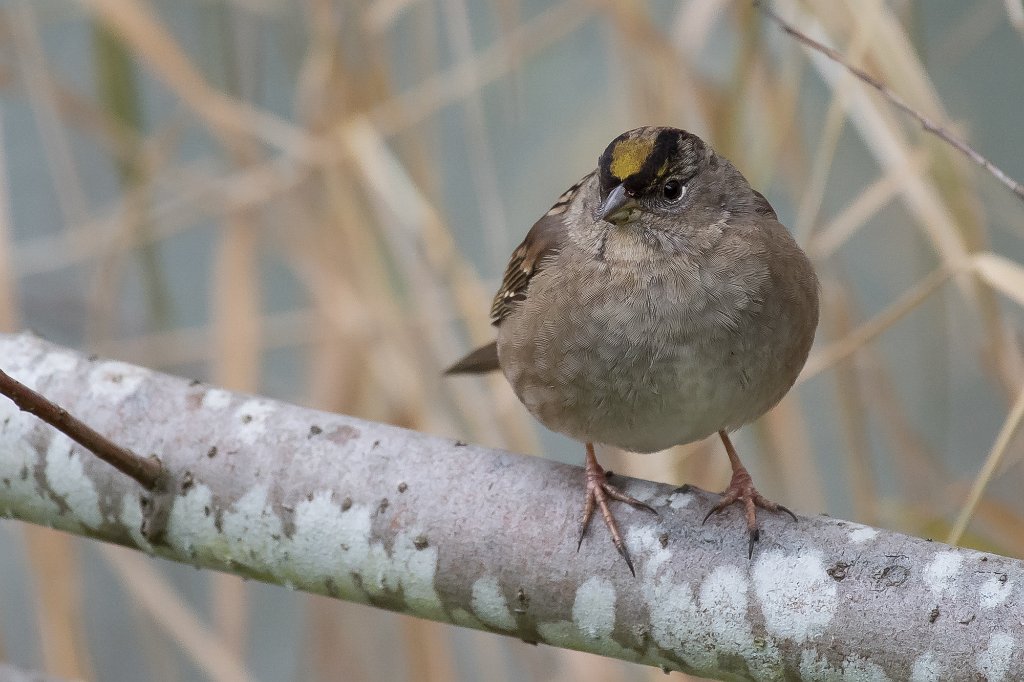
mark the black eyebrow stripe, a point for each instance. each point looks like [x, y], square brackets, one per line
[664, 144]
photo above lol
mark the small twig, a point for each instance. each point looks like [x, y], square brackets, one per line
[897, 101]
[146, 470]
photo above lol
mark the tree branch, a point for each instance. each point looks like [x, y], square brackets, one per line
[486, 539]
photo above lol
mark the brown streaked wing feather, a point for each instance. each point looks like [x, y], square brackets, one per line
[542, 241]
[762, 207]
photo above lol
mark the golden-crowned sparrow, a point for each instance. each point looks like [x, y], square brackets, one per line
[658, 301]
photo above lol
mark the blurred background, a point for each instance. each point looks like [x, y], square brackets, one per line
[315, 200]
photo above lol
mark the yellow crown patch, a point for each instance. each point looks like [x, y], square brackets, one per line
[629, 155]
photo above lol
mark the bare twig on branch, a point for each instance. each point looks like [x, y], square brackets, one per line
[145, 470]
[485, 539]
[928, 124]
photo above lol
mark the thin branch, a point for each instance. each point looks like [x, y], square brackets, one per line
[486, 539]
[931, 126]
[146, 470]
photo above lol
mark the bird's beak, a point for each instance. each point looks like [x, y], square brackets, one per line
[617, 207]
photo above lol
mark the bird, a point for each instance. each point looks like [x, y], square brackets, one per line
[657, 302]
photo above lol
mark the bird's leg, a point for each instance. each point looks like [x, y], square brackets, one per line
[741, 489]
[598, 493]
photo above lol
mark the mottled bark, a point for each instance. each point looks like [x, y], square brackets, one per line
[486, 539]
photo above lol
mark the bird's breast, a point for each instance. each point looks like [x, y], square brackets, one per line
[628, 357]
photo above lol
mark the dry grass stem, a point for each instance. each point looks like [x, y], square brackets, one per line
[300, 163]
[843, 348]
[827, 240]
[225, 116]
[155, 596]
[1001, 274]
[940, 131]
[484, 175]
[854, 415]
[465, 78]
[57, 587]
[34, 75]
[185, 346]
[989, 468]
[9, 313]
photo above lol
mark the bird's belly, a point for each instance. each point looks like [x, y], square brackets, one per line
[621, 387]
[644, 360]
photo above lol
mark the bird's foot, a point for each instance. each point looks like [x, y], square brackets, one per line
[599, 491]
[741, 490]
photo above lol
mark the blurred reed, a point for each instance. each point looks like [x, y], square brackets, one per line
[290, 188]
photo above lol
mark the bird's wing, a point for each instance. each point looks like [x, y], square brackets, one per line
[543, 241]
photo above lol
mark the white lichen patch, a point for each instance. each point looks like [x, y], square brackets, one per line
[489, 604]
[14, 425]
[114, 381]
[927, 669]
[466, 619]
[993, 662]
[859, 534]
[378, 578]
[850, 669]
[252, 415]
[329, 544]
[409, 568]
[216, 399]
[994, 591]
[593, 610]
[51, 364]
[700, 625]
[66, 477]
[593, 622]
[677, 625]
[723, 596]
[130, 516]
[680, 500]
[858, 669]
[330, 550]
[642, 490]
[567, 635]
[813, 666]
[191, 526]
[253, 531]
[416, 568]
[941, 570]
[796, 595]
[18, 493]
[18, 486]
[676, 622]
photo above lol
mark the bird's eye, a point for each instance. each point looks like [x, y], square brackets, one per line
[672, 190]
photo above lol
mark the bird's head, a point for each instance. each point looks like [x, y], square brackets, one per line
[649, 171]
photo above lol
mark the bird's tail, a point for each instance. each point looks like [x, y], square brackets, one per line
[483, 359]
